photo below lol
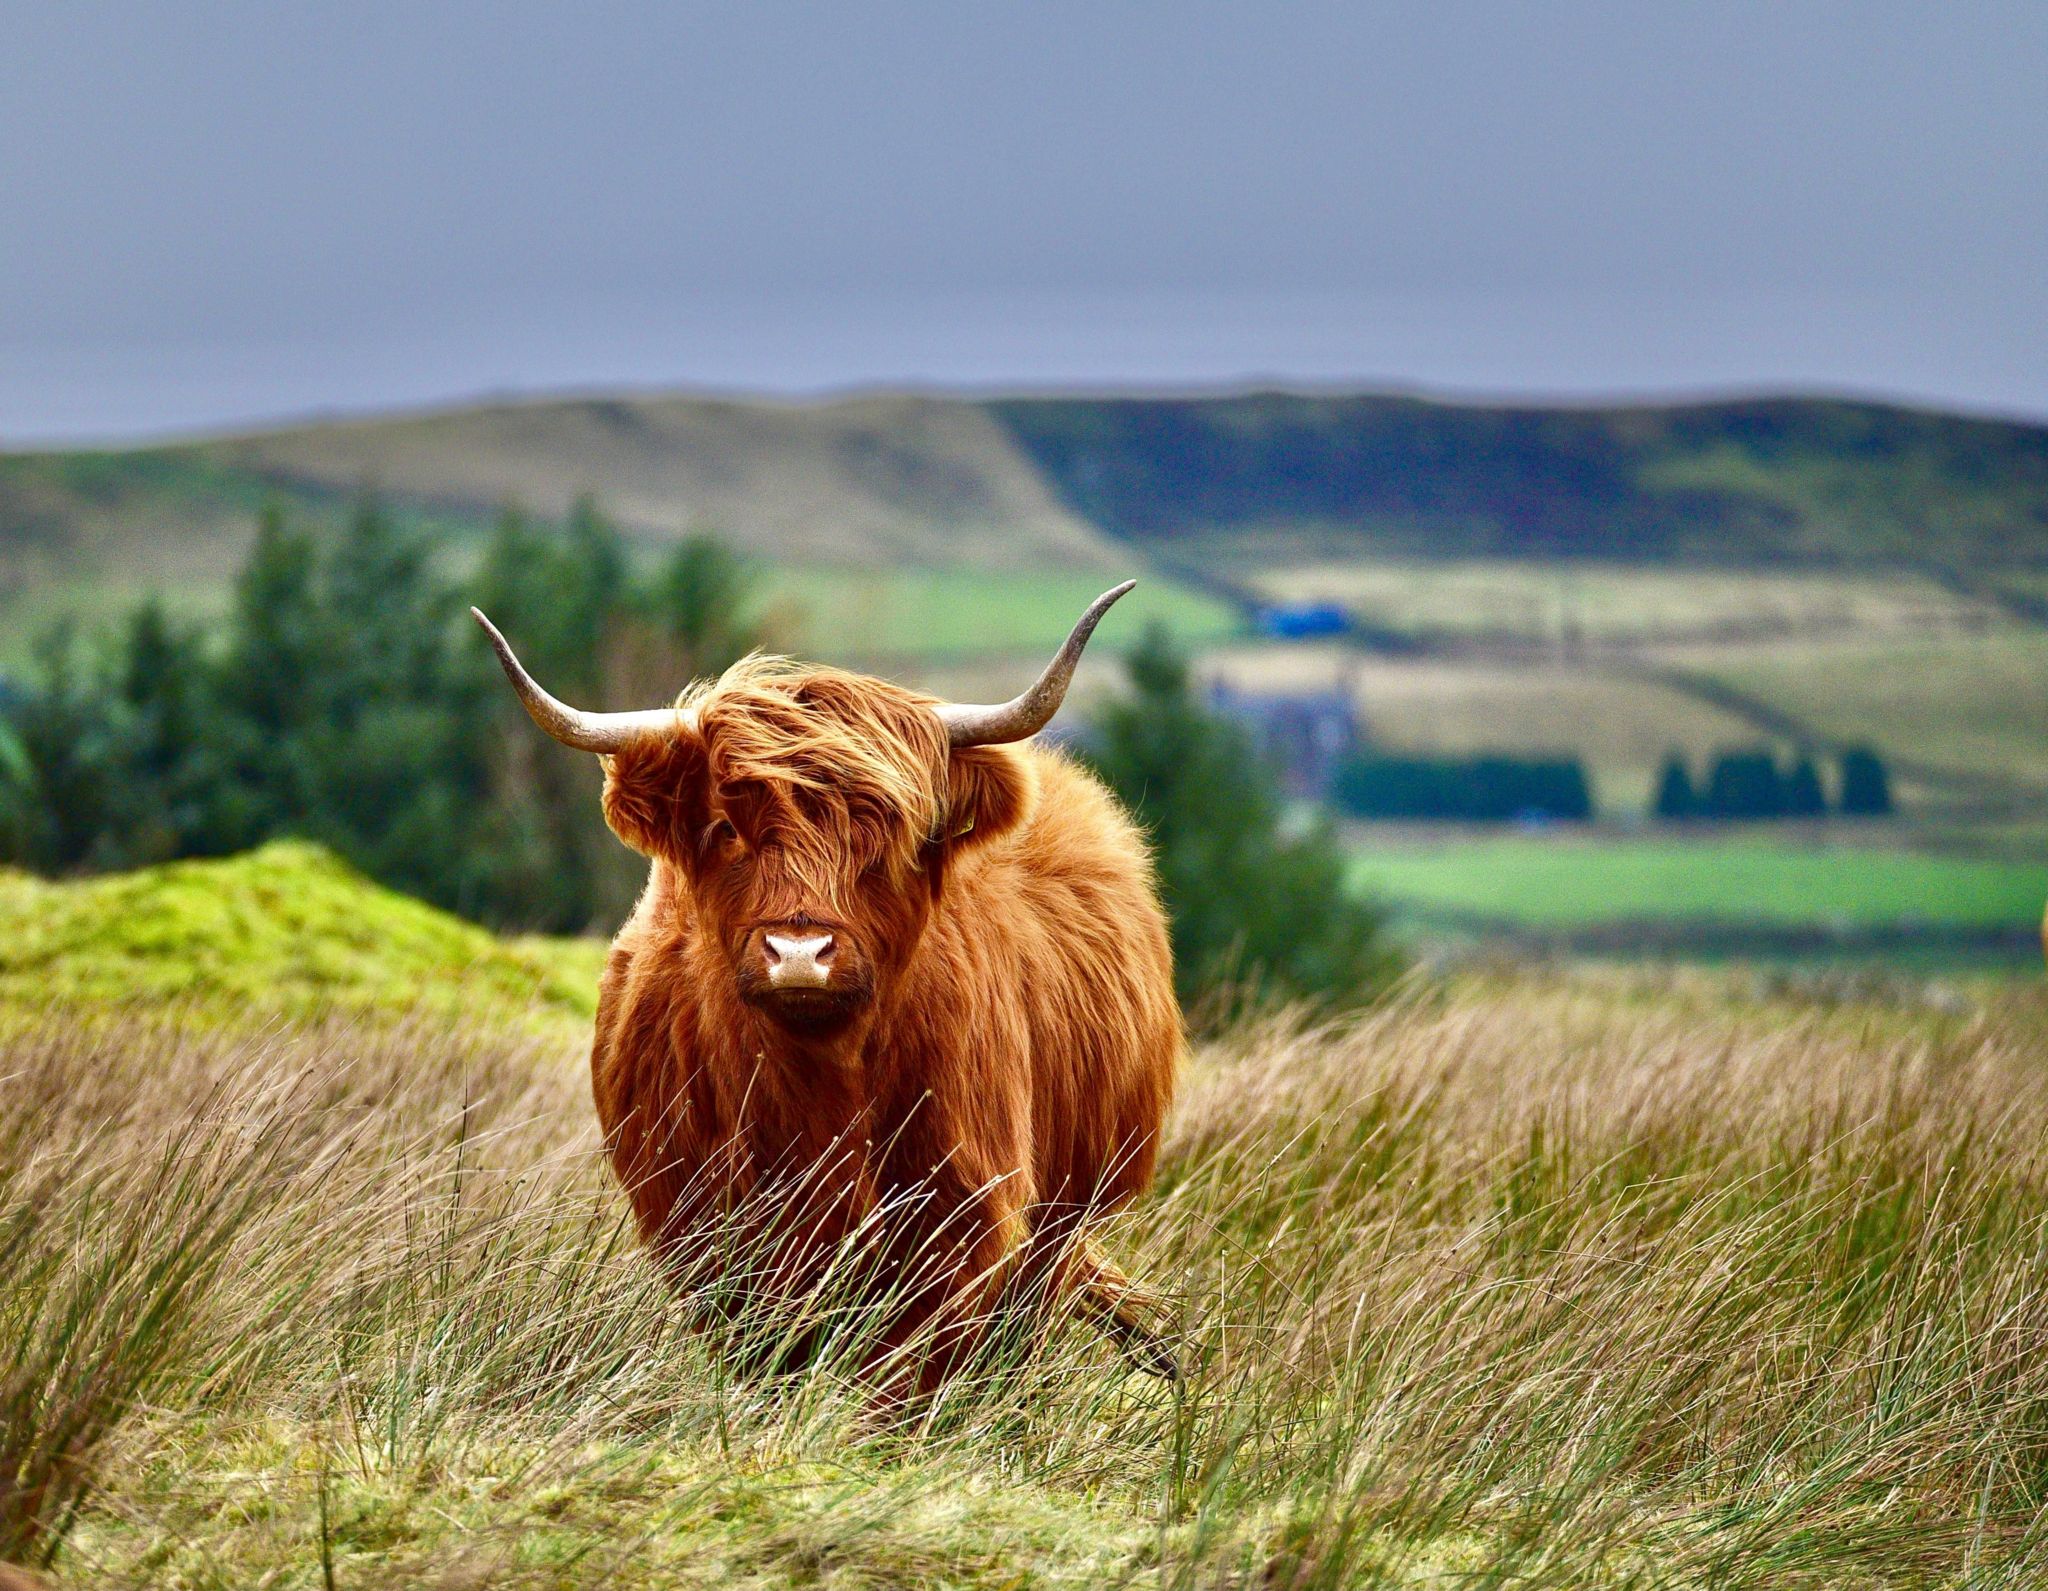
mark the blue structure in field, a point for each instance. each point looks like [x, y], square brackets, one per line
[1303, 621]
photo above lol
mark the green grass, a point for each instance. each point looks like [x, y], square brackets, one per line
[1569, 881]
[838, 614]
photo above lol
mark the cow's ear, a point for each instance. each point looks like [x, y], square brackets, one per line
[991, 790]
[657, 795]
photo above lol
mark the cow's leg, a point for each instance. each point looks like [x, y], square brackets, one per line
[1064, 1268]
[1122, 1309]
[949, 1271]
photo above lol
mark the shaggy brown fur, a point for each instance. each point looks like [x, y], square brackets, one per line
[999, 1044]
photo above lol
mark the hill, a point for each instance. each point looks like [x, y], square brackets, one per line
[884, 482]
[1754, 481]
[287, 931]
[1073, 484]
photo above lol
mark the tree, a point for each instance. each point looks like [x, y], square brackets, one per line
[1745, 785]
[65, 786]
[1866, 784]
[348, 700]
[1256, 912]
[1804, 797]
[1676, 799]
[1491, 788]
[700, 601]
[174, 796]
[269, 680]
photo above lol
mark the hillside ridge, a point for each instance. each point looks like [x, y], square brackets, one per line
[1078, 483]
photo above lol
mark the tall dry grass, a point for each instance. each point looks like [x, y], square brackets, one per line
[1535, 1284]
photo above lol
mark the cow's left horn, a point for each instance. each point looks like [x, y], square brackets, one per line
[600, 732]
[1026, 715]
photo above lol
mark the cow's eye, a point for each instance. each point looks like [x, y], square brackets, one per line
[721, 833]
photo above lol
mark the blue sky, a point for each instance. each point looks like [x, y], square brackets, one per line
[218, 213]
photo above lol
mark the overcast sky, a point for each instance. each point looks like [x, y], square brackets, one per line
[213, 213]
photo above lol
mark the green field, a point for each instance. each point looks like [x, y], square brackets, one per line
[840, 614]
[1621, 666]
[1569, 882]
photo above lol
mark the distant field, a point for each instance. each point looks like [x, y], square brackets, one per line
[1565, 881]
[836, 614]
[1622, 665]
[855, 615]
[1505, 599]
[1623, 726]
[1977, 705]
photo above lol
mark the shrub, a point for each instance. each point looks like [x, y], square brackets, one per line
[1676, 799]
[1804, 797]
[1745, 784]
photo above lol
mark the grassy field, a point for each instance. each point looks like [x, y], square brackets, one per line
[1975, 706]
[842, 614]
[1596, 603]
[1623, 725]
[1620, 666]
[1559, 880]
[1544, 1282]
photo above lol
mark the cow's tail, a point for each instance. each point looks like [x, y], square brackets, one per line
[1123, 1310]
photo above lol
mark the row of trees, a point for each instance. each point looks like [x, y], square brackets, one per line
[1750, 785]
[1486, 789]
[346, 698]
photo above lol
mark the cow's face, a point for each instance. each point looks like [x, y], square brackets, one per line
[815, 815]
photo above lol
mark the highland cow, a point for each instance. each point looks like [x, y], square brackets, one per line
[892, 956]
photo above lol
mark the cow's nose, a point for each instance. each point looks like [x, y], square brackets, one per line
[799, 963]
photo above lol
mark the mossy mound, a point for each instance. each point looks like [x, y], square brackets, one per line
[287, 930]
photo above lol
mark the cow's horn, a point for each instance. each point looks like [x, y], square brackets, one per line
[1026, 715]
[602, 732]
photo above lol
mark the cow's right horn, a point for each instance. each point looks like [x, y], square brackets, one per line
[1024, 716]
[600, 732]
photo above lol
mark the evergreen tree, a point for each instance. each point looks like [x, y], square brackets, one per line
[1866, 784]
[347, 700]
[394, 748]
[1804, 797]
[700, 601]
[1253, 909]
[1676, 800]
[177, 794]
[1745, 786]
[269, 682]
[595, 588]
[65, 789]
